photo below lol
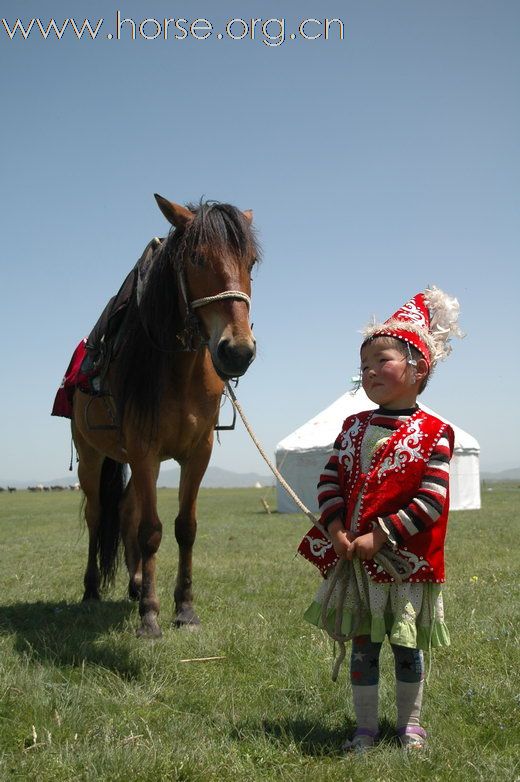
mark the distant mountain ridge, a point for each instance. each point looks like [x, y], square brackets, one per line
[215, 478]
[218, 478]
[503, 475]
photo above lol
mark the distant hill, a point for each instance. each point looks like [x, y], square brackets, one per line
[215, 478]
[504, 475]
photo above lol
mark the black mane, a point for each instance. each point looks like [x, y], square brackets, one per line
[220, 226]
[150, 330]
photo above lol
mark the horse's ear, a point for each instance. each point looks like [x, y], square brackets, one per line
[177, 215]
[248, 214]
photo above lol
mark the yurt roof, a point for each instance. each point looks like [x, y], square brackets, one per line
[322, 430]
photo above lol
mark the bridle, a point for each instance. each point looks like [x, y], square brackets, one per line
[197, 303]
[190, 337]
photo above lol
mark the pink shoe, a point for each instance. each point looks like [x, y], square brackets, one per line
[412, 737]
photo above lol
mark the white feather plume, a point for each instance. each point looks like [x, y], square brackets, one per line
[444, 315]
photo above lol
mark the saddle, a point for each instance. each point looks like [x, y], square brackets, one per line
[104, 339]
[91, 359]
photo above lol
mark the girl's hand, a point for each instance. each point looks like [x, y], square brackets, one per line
[341, 539]
[369, 544]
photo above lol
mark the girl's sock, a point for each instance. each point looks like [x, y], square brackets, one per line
[366, 706]
[364, 676]
[409, 702]
[409, 675]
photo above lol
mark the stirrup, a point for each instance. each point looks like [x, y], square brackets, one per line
[412, 737]
[362, 740]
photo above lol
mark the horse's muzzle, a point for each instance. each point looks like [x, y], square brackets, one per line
[232, 359]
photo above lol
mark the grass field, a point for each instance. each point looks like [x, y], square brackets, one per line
[83, 699]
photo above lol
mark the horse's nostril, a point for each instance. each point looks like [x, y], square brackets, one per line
[235, 358]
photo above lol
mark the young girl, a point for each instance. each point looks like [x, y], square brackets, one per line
[384, 495]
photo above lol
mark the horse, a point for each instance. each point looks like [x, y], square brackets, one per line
[184, 333]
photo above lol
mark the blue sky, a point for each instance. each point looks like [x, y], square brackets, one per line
[375, 165]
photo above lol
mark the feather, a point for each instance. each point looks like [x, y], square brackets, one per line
[444, 315]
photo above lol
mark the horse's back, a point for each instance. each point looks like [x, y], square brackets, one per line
[187, 417]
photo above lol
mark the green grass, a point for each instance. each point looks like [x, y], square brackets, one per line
[81, 698]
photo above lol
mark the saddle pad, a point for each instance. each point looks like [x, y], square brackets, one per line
[74, 378]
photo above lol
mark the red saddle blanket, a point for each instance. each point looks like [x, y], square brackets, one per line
[74, 378]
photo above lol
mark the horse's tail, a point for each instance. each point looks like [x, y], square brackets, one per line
[111, 487]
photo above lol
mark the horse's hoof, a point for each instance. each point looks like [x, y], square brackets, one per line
[186, 620]
[91, 594]
[149, 629]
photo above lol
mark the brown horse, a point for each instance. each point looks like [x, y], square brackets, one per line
[185, 331]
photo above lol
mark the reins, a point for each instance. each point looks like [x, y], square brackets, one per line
[343, 572]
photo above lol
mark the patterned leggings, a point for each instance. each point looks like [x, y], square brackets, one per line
[364, 662]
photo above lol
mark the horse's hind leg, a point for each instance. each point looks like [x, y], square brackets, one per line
[89, 474]
[130, 516]
[149, 538]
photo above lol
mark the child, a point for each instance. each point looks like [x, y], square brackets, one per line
[386, 486]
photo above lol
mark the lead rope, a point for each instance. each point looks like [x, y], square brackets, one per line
[339, 579]
[343, 571]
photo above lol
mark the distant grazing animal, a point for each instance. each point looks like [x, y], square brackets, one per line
[184, 332]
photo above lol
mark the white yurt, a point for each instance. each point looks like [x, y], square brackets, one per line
[301, 456]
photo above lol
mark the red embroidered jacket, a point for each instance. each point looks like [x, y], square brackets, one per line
[391, 483]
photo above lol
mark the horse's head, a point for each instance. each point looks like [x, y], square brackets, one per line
[214, 253]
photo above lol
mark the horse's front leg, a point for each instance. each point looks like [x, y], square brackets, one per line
[149, 539]
[192, 473]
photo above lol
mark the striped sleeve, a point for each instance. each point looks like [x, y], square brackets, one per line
[428, 504]
[330, 499]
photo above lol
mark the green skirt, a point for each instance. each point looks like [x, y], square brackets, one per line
[410, 614]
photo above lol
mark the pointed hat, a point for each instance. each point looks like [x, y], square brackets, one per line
[427, 321]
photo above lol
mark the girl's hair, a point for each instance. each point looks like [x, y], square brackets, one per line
[407, 350]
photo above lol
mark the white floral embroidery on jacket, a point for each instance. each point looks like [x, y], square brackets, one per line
[347, 448]
[318, 547]
[406, 450]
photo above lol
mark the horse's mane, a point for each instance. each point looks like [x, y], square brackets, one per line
[149, 333]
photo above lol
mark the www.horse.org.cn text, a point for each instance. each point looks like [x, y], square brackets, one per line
[271, 32]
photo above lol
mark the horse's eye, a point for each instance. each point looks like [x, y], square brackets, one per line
[199, 260]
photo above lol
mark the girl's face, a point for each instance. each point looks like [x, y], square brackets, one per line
[387, 378]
